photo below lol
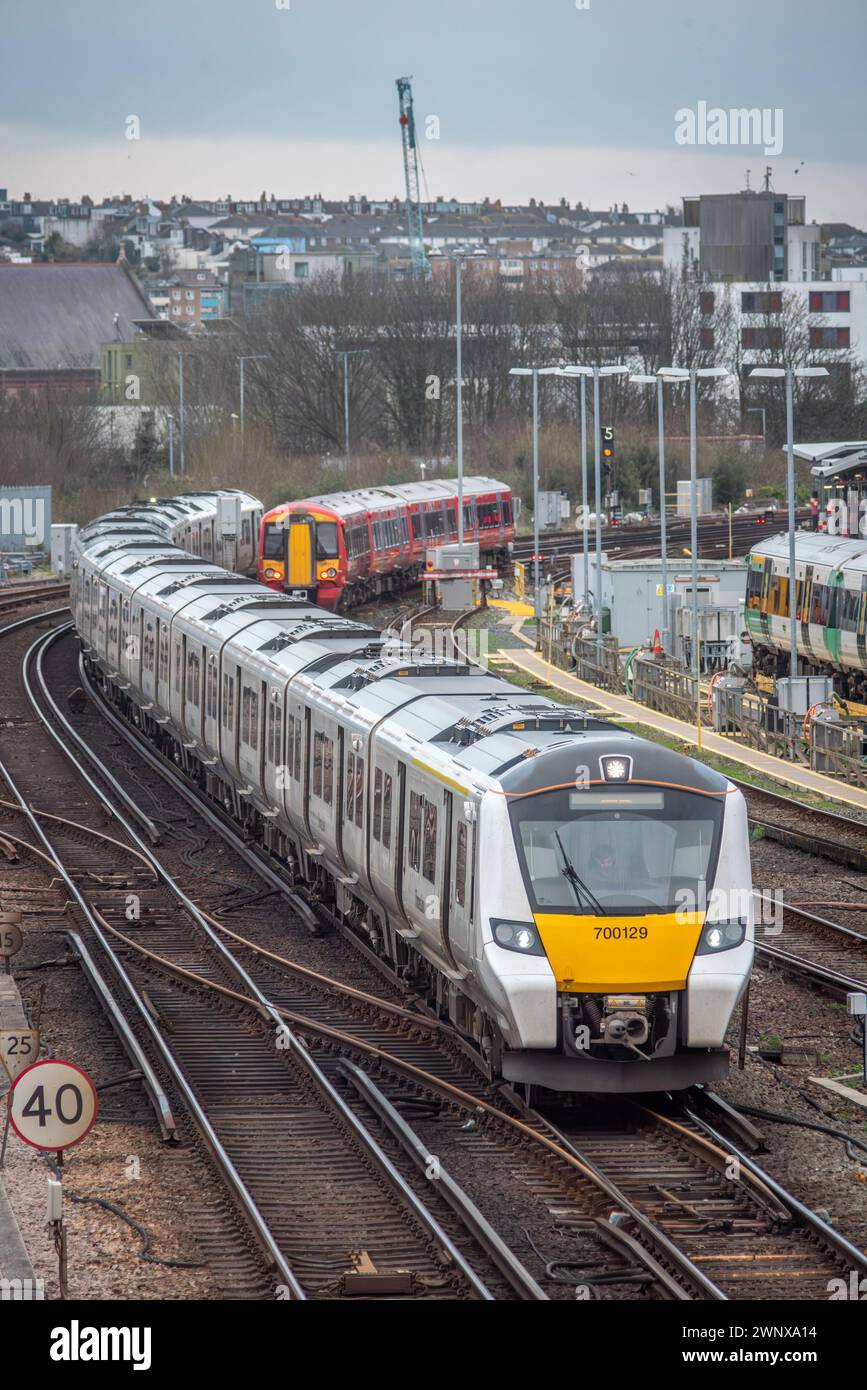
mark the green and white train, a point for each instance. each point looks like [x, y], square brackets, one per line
[830, 602]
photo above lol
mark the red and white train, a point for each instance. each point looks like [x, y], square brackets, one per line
[348, 547]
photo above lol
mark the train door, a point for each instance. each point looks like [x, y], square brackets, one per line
[137, 642]
[340, 797]
[400, 837]
[300, 553]
[305, 800]
[447, 916]
[125, 646]
[461, 881]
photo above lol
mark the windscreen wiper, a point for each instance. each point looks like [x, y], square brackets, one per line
[579, 886]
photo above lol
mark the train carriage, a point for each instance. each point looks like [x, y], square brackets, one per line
[830, 607]
[345, 548]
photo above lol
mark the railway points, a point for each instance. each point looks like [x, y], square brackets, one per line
[426, 1065]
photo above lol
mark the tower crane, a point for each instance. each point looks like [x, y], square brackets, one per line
[415, 226]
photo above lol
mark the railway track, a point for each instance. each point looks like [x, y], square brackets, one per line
[832, 834]
[713, 535]
[823, 952]
[748, 1236]
[421, 1068]
[332, 1213]
[16, 596]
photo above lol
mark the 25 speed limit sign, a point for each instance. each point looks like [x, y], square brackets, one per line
[52, 1104]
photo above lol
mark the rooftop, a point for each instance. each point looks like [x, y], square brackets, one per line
[55, 315]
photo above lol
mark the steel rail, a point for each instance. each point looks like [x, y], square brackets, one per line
[268, 1011]
[519, 1278]
[196, 1110]
[803, 1214]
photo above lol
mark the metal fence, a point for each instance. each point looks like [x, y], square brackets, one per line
[839, 747]
[760, 724]
[663, 688]
[607, 674]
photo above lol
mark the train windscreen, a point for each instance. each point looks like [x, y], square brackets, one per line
[626, 850]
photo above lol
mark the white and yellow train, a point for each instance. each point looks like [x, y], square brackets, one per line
[572, 898]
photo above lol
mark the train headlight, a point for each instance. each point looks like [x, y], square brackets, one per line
[329, 574]
[616, 768]
[270, 574]
[721, 936]
[518, 936]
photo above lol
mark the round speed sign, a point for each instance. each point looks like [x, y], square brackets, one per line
[52, 1104]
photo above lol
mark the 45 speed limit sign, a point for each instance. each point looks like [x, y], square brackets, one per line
[52, 1104]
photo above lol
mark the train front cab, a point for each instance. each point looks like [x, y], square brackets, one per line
[605, 942]
[302, 553]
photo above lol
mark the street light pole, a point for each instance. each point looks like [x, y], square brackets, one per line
[597, 496]
[181, 412]
[346, 353]
[789, 374]
[663, 535]
[537, 603]
[597, 372]
[346, 404]
[691, 375]
[171, 420]
[535, 373]
[585, 510]
[248, 357]
[459, 398]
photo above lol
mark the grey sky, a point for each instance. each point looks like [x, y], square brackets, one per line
[224, 88]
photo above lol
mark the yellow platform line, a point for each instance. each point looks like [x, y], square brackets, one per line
[513, 606]
[720, 744]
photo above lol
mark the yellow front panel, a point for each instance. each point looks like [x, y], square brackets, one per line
[596, 955]
[300, 552]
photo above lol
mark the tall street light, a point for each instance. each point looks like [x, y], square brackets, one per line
[535, 373]
[459, 397]
[692, 375]
[659, 382]
[181, 412]
[250, 357]
[585, 508]
[346, 353]
[790, 373]
[597, 372]
[171, 423]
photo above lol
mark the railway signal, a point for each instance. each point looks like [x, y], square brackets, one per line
[608, 448]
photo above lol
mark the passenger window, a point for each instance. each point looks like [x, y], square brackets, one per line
[429, 853]
[177, 668]
[275, 731]
[250, 717]
[350, 787]
[290, 745]
[327, 771]
[386, 811]
[318, 740]
[377, 804]
[193, 669]
[461, 865]
[359, 790]
[415, 805]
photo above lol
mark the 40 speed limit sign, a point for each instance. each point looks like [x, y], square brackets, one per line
[52, 1104]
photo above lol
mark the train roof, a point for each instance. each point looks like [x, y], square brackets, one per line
[372, 499]
[814, 548]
